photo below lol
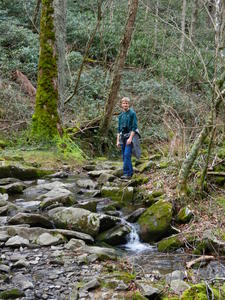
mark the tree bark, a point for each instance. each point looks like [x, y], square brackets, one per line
[60, 34]
[118, 67]
[194, 16]
[183, 17]
[45, 120]
[156, 27]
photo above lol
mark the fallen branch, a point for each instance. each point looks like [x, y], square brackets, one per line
[213, 173]
[202, 258]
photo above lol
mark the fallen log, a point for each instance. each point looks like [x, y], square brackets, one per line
[202, 258]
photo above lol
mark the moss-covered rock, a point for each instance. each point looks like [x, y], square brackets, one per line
[11, 294]
[3, 144]
[22, 172]
[184, 215]
[171, 243]
[200, 292]
[146, 166]
[115, 236]
[155, 222]
[122, 195]
[138, 180]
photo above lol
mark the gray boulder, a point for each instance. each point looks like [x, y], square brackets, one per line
[115, 236]
[31, 219]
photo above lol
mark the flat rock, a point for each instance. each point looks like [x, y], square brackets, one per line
[17, 241]
[13, 188]
[133, 217]
[47, 239]
[147, 290]
[87, 183]
[31, 219]
[179, 286]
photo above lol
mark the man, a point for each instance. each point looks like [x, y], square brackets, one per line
[127, 126]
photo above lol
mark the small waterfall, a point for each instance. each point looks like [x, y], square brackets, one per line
[134, 244]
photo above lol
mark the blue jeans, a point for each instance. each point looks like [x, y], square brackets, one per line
[127, 164]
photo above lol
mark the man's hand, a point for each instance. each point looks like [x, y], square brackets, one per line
[117, 144]
[129, 141]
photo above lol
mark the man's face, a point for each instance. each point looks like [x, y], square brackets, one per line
[125, 105]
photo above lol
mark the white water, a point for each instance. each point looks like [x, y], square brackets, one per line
[134, 244]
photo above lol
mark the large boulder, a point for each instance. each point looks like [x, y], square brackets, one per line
[76, 219]
[155, 222]
[121, 195]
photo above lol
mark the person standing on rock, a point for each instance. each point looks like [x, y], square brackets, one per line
[127, 129]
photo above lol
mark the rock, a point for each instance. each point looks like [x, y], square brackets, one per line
[4, 268]
[89, 167]
[9, 209]
[175, 275]
[122, 195]
[32, 234]
[133, 217]
[23, 282]
[17, 241]
[56, 196]
[31, 219]
[103, 253]
[47, 239]
[147, 290]
[3, 199]
[90, 205]
[151, 197]
[155, 221]
[210, 243]
[104, 177]
[107, 222]
[11, 294]
[60, 174]
[77, 219]
[146, 166]
[93, 284]
[184, 215]
[22, 172]
[138, 180]
[74, 244]
[171, 243]
[97, 173]
[22, 263]
[179, 286]
[115, 236]
[87, 183]
[4, 236]
[13, 188]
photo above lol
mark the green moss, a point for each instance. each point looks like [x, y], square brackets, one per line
[45, 118]
[123, 196]
[221, 202]
[11, 294]
[138, 180]
[170, 244]
[199, 292]
[155, 222]
[184, 215]
[3, 144]
[163, 165]
[124, 276]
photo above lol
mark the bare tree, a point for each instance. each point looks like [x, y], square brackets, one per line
[118, 67]
[194, 15]
[183, 17]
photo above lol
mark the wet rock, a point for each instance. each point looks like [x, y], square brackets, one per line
[155, 222]
[147, 290]
[3, 199]
[47, 239]
[9, 210]
[17, 241]
[31, 219]
[184, 215]
[74, 244]
[171, 243]
[107, 222]
[115, 236]
[133, 217]
[60, 174]
[90, 205]
[57, 196]
[28, 205]
[13, 188]
[179, 286]
[77, 219]
[87, 183]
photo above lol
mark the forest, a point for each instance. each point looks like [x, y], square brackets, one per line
[75, 223]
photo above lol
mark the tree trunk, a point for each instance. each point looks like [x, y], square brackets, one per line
[194, 16]
[45, 120]
[60, 34]
[156, 27]
[183, 17]
[118, 67]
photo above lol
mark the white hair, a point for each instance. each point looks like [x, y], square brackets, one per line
[125, 99]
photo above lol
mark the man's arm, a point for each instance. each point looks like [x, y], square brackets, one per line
[130, 137]
[118, 140]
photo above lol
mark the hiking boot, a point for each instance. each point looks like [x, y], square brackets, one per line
[125, 177]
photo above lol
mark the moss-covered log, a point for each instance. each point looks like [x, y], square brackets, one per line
[45, 119]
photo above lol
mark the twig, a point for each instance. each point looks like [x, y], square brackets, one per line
[199, 259]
